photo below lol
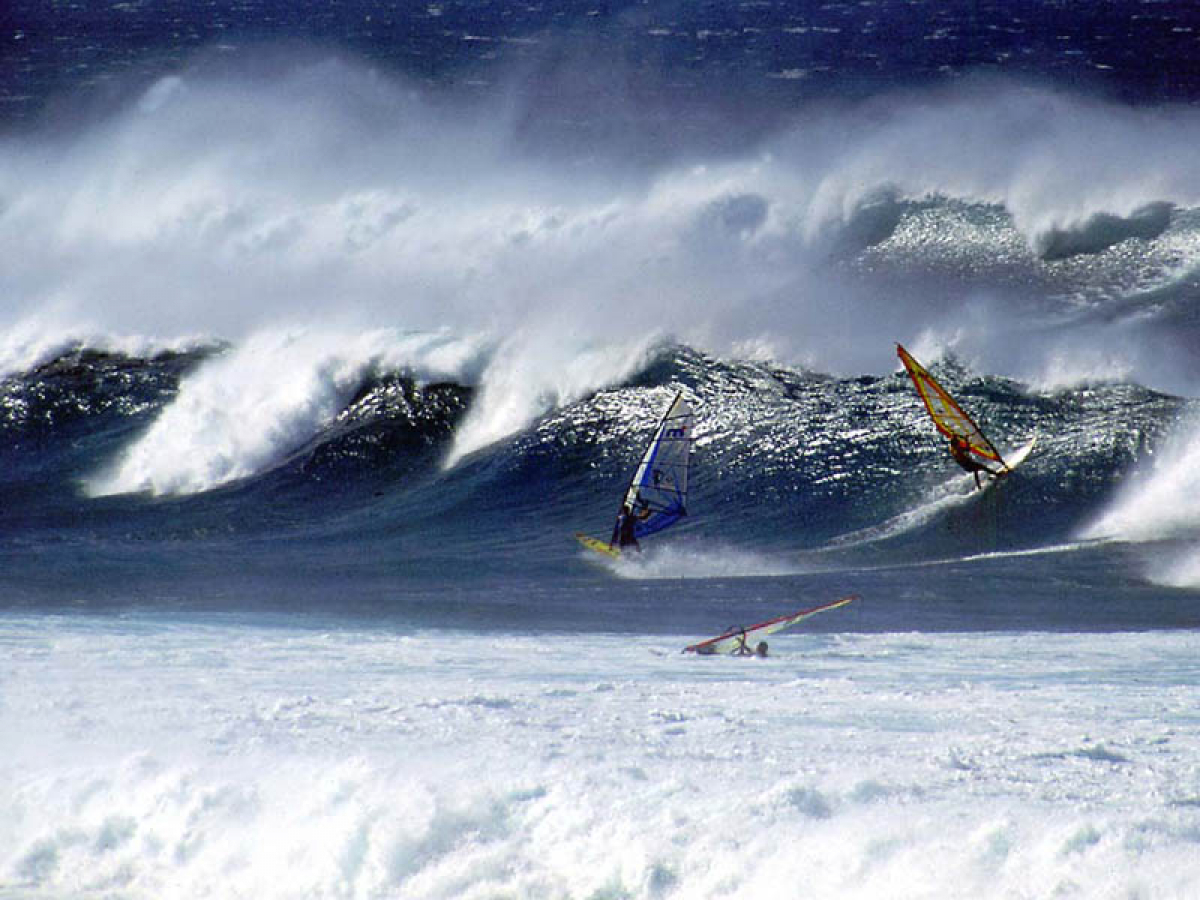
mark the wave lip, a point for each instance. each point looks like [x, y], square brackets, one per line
[1102, 230]
[245, 412]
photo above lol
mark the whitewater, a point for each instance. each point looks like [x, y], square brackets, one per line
[288, 759]
[323, 330]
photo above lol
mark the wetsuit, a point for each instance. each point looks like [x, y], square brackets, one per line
[961, 451]
[623, 534]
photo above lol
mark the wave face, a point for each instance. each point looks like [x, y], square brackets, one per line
[282, 312]
[797, 473]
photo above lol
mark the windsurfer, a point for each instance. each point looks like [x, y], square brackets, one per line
[744, 649]
[623, 531]
[968, 445]
[960, 449]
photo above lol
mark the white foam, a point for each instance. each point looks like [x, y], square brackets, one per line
[223, 205]
[678, 559]
[40, 338]
[532, 374]
[1077, 362]
[280, 762]
[1179, 568]
[936, 501]
[246, 411]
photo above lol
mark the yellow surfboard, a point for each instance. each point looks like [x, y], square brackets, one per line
[597, 545]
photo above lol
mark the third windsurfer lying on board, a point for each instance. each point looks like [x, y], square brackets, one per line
[960, 449]
[743, 649]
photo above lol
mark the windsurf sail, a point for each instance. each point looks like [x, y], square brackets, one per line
[949, 418]
[734, 638]
[657, 494]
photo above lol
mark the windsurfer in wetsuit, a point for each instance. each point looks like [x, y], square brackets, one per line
[960, 449]
[623, 535]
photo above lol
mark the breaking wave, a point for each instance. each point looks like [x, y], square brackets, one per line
[796, 471]
[306, 275]
[1100, 231]
[318, 193]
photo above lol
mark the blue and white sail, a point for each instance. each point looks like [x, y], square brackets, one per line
[658, 492]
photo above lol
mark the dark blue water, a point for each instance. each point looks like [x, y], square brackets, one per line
[746, 202]
[686, 55]
[362, 521]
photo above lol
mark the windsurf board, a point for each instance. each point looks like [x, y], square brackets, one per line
[598, 546]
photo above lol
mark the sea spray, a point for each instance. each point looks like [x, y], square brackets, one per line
[396, 209]
[1157, 500]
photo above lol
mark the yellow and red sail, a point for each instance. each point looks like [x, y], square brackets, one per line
[950, 418]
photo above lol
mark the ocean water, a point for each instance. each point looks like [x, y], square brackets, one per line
[323, 328]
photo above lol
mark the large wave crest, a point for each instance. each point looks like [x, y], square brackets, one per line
[318, 196]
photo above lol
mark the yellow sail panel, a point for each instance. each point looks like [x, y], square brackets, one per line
[947, 415]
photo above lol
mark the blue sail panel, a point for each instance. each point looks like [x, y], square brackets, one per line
[657, 521]
[658, 492]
